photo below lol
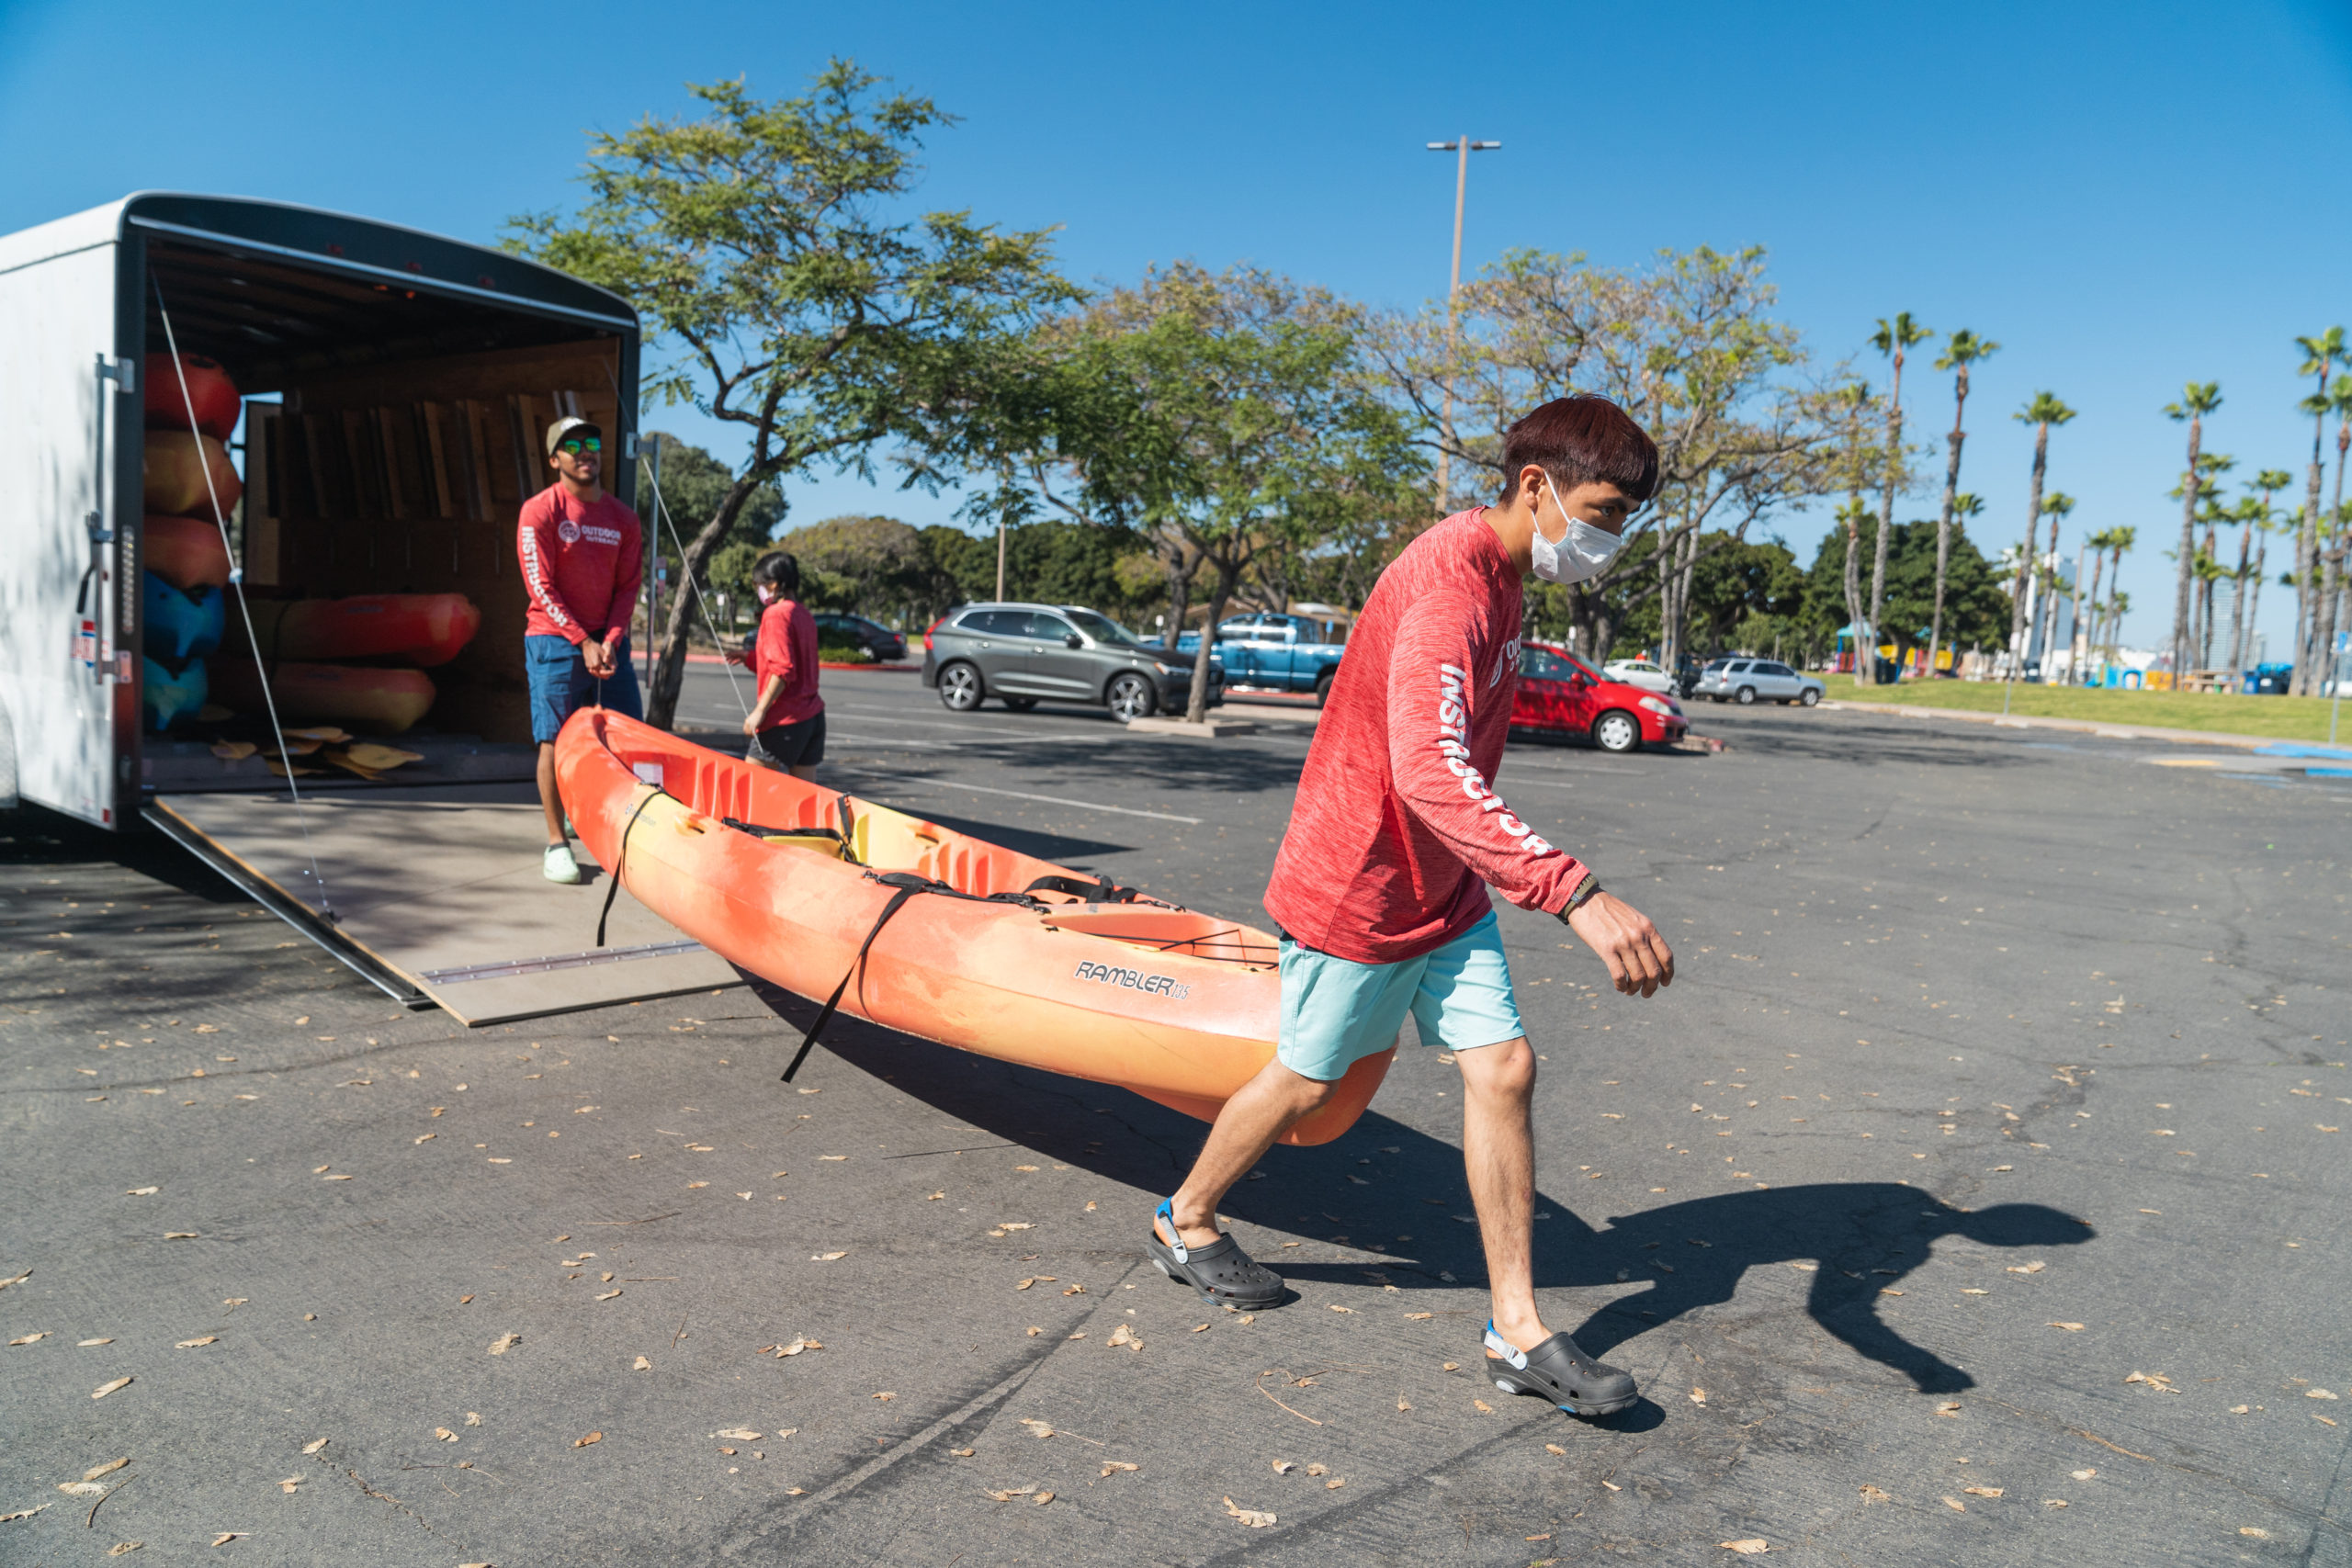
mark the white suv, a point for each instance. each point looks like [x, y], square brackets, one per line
[1745, 680]
[1639, 673]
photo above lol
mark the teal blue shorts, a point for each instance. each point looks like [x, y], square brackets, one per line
[1337, 1011]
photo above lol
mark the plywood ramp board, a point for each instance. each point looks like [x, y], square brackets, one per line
[443, 884]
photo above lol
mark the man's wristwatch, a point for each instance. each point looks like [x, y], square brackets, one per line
[1584, 894]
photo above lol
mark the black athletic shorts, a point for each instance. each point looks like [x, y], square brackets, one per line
[790, 745]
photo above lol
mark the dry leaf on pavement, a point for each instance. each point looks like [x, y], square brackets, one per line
[1955, 1505]
[445, 1435]
[1038, 1429]
[591, 1438]
[2082, 1474]
[80, 1489]
[1010, 1493]
[1982, 1490]
[192, 1344]
[1253, 1518]
[225, 1537]
[22, 1514]
[1752, 1547]
[1698, 1396]
[1125, 1335]
[2069, 1328]
[288, 1485]
[106, 1469]
[314, 1445]
[827, 1257]
[503, 1343]
[1873, 1494]
[1948, 1408]
[1113, 1466]
[739, 1434]
[641, 1365]
[123, 1548]
[107, 1388]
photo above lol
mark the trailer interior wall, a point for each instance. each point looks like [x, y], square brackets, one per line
[403, 436]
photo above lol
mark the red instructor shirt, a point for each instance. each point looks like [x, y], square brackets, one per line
[582, 564]
[1397, 830]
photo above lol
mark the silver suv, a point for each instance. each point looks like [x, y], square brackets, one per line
[1745, 680]
[1023, 654]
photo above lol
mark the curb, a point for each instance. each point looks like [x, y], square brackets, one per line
[1207, 730]
[822, 664]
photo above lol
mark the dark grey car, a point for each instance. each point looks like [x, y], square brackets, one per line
[1023, 654]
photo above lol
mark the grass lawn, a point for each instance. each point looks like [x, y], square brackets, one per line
[2278, 718]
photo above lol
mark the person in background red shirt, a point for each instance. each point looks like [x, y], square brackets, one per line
[786, 723]
[1380, 886]
[583, 554]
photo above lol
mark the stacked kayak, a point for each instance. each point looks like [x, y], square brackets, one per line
[356, 660]
[992, 952]
[187, 468]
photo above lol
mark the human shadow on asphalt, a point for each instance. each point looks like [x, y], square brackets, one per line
[1399, 1195]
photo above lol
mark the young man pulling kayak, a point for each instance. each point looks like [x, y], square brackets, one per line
[1380, 886]
[583, 554]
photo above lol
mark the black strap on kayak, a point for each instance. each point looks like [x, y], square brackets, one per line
[613, 891]
[907, 884]
[1100, 890]
[849, 852]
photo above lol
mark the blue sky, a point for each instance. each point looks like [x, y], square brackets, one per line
[2125, 197]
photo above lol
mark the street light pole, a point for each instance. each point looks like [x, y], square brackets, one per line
[1462, 147]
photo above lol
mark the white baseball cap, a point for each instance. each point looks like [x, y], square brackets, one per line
[564, 426]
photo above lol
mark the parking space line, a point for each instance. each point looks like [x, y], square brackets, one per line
[1025, 795]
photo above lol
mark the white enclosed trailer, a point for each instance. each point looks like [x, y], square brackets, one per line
[395, 384]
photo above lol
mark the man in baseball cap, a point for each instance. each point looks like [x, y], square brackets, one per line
[583, 554]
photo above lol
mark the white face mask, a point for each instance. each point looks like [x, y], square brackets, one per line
[767, 594]
[1578, 553]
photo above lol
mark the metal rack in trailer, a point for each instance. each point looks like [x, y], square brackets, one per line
[394, 386]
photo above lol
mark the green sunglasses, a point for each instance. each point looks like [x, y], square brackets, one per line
[578, 443]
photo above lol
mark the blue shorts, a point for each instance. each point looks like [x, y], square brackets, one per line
[560, 683]
[1335, 1012]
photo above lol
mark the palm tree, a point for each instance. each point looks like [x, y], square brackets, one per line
[2321, 354]
[2197, 399]
[2056, 509]
[2254, 513]
[2101, 543]
[1854, 514]
[1892, 339]
[1961, 349]
[2118, 540]
[2043, 412]
[2211, 466]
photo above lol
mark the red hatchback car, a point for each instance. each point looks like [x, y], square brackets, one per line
[1560, 694]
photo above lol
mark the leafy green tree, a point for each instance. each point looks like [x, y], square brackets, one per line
[1977, 611]
[1963, 349]
[1689, 345]
[692, 485]
[1220, 415]
[2056, 507]
[761, 244]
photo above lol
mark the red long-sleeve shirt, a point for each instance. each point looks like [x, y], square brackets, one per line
[583, 565]
[1396, 830]
[787, 648]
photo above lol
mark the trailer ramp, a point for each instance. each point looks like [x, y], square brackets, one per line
[438, 897]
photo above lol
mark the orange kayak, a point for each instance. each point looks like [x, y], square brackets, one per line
[1178, 1006]
[208, 388]
[174, 475]
[420, 629]
[383, 701]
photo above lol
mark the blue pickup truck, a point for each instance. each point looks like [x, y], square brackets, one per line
[1282, 653]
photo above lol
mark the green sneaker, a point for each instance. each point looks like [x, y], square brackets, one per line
[561, 867]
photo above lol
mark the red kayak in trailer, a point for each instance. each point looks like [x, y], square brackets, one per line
[419, 629]
[382, 702]
[934, 932]
[186, 552]
[208, 388]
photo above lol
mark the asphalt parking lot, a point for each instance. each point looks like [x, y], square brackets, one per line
[1968, 1198]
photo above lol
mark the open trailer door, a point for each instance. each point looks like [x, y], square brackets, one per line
[435, 894]
[68, 639]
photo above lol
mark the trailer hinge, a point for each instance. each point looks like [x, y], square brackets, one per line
[123, 372]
